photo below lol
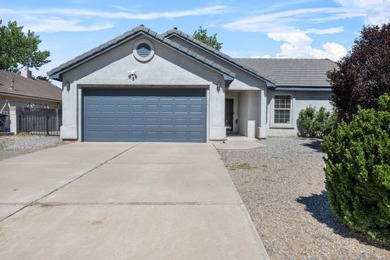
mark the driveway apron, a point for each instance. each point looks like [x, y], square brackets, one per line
[123, 201]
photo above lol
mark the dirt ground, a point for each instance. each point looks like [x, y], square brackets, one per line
[282, 186]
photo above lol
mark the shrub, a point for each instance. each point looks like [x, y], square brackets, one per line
[313, 123]
[358, 171]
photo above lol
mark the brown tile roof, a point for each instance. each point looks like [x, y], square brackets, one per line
[30, 88]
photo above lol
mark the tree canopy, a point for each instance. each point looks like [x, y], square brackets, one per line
[19, 49]
[212, 41]
[364, 73]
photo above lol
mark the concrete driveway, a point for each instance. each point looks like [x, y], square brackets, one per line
[123, 201]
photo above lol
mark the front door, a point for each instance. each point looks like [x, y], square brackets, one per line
[229, 114]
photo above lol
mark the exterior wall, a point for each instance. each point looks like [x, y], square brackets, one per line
[167, 68]
[248, 115]
[301, 100]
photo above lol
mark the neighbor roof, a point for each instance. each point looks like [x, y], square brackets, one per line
[293, 72]
[57, 72]
[28, 88]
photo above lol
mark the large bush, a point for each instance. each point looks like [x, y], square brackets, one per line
[313, 123]
[364, 74]
[358, 171]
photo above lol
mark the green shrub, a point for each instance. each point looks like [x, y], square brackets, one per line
[358, 171]
[313, 123]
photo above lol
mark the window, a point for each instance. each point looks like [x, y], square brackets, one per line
[282, 110]
[143, 50]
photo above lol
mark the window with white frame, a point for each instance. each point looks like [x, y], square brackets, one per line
[282, 110]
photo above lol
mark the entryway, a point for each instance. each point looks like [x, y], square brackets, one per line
[229, 113]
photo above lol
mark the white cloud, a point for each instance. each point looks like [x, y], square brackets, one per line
[298, 45]
[56, 24]
[374, 11]
[66, 19]
[332, 30]
[116, 15]
[266, 56]
[279, 21]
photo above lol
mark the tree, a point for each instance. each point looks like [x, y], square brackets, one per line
[19, 49]
[44, 78]
[212, 41]
[364, 73]
[358, 171]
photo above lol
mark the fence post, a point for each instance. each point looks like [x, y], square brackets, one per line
[13, 119]
[47, 124]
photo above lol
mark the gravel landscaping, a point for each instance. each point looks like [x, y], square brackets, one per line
[282, 186]
[15, 145]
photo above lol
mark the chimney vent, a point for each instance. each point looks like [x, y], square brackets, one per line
[11, 84]
[26, 73]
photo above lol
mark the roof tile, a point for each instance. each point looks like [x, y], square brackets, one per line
[293, 72]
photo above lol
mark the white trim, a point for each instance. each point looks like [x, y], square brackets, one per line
[276, 125]
[140, 58]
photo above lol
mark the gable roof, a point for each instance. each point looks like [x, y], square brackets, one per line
[215, 52]
[57, 72]
[294, 72]
[28, 88]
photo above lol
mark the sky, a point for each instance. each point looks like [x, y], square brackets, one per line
[247, 28]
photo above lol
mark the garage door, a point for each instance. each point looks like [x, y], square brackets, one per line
[144, 115]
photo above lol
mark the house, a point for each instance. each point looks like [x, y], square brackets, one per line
[145, 86]
[22, 90]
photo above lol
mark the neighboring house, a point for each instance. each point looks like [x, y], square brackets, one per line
[21, 90]
[143, 86]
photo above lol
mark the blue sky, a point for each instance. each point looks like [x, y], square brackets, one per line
[247, 28]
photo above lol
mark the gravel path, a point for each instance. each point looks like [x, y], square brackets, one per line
[282, 186]
[15, 145]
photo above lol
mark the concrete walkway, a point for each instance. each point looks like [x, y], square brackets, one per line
[238, 143]
[123, 201]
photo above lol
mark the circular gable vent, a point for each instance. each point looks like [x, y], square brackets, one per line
[144, 50]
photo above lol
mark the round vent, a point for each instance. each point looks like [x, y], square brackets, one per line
[144, 50]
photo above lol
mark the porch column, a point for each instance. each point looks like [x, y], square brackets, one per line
[68, 130]
[263, 125]
[13, 120]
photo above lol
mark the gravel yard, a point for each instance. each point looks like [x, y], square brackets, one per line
[282, 186]
[15, 145]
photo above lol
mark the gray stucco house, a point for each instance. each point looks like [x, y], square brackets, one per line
[145, 86]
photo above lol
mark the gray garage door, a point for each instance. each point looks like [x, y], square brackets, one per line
[144, 115]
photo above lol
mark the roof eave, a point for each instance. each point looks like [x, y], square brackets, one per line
[56, 73]
[303, 88]
[171, 33]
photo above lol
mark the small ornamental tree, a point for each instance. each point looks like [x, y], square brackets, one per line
[358, 171]
[212, 41]
[363, 74]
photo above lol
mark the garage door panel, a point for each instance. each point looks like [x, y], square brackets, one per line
[144, 115]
